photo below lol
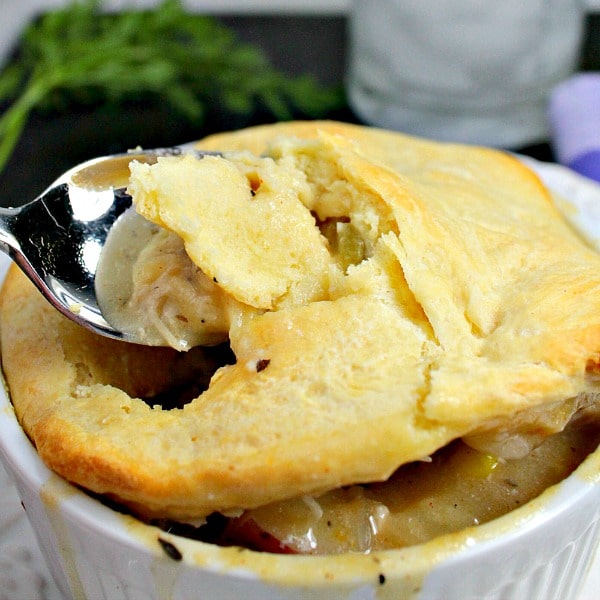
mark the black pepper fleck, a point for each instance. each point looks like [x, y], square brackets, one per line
[262, 364]
[170, 549]
[381, 579]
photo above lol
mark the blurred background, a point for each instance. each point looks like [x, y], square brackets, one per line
[381, 62]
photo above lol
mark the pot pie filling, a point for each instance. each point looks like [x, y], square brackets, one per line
[374, 340]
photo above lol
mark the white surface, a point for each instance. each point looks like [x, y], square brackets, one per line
[23, 574]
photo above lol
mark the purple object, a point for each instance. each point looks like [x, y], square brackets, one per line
[574, 115]
[587, 164]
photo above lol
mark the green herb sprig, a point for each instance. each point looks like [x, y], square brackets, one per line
[83, 55]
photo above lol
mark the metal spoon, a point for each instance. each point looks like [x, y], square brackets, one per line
[57, 238]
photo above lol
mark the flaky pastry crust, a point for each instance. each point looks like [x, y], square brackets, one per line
[474, 309]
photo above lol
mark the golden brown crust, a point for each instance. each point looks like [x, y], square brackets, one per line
[477, 306]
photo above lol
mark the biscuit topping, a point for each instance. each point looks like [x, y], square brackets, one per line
[383, 296]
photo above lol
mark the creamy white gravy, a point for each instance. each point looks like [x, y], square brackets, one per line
[114, 277]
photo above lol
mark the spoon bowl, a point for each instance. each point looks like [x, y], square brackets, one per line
[57, 239]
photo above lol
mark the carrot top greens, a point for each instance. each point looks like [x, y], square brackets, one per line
[81, 54]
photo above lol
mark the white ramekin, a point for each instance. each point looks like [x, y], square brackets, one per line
[542, 550]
